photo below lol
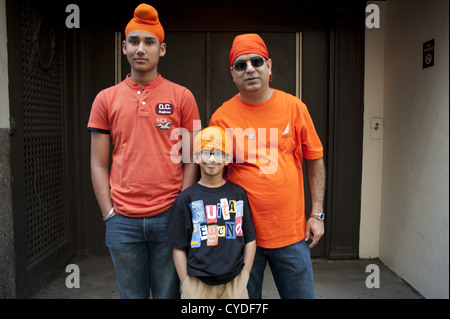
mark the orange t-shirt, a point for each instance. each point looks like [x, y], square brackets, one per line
[144, 124]
[270, 141]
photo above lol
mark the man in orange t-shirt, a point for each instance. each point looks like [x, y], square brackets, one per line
[272, 134]
[148, 119]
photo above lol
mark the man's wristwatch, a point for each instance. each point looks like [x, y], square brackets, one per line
[320, 216]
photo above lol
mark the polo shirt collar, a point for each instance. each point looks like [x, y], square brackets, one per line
[137, 86]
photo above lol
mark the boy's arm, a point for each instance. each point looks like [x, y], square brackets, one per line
[100, 149]
[249, 255]
[180, 260]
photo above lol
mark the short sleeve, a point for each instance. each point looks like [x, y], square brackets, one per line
[98, 118]
[189, 112]
[179, 225]
[311, 145]
[248, 227]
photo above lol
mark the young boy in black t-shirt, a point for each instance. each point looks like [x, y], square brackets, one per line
[210, 227]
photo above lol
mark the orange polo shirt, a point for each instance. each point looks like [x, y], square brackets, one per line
[270, 141]
[145, 127]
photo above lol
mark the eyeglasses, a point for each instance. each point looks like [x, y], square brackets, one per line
[241, 65]
[218, 154]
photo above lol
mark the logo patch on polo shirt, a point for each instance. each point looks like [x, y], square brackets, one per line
[163, 123]
[164, 108]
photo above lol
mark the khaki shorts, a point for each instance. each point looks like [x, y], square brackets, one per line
[194, 288]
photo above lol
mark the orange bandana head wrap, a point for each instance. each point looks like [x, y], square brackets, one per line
[246, 44]
[146, 19]
[213, 137]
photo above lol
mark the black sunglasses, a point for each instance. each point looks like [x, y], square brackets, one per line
[241, 65]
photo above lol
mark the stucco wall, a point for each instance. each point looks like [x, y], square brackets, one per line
[414, 222]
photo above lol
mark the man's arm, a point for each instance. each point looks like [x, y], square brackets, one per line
[316, 179]
[100, 149]
[190, 169]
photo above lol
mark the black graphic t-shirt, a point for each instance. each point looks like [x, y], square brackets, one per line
[212, 225]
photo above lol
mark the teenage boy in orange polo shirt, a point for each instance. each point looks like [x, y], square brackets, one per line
[144, 117]
[273, 133]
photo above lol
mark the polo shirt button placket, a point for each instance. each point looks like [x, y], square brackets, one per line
[143, 109]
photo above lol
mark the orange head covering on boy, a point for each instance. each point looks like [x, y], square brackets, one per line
[213, 137]
[246, 44]
[146, 19]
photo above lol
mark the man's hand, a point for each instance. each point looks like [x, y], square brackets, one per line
[316, 178]
[314, 230]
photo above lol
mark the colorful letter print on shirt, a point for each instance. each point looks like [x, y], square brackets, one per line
[198, 212]
[212, 223]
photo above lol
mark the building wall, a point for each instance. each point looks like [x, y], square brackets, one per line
[7, 260]
[372, 145]
[4, 96]
[414, 220]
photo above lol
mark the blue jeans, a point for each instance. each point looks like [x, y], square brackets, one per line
[141, 257]
[291, 269]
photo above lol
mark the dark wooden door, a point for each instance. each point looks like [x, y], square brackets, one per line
[44, 223]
